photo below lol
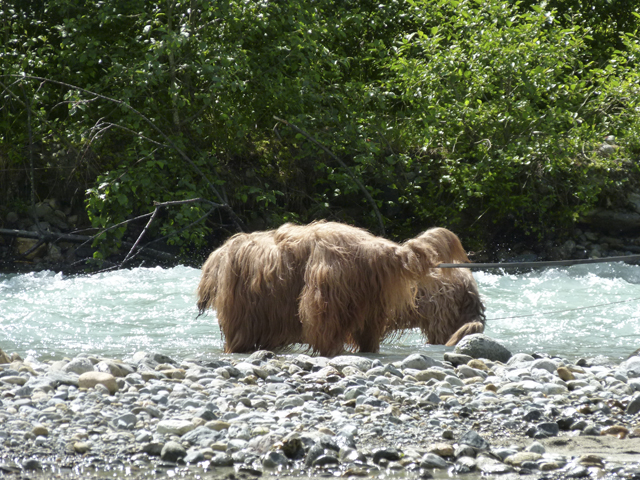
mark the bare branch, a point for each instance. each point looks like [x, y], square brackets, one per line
[238, 222]
[144, 230]
[158, 206]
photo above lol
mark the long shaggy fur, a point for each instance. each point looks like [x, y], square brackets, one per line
[325, 284]
[449, 307]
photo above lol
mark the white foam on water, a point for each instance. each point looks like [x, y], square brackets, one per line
[570, 312]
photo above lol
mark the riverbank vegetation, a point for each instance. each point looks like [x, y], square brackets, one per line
[485, 117]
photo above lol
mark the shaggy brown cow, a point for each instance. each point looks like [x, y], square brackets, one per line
[445, 312]
[326, 285]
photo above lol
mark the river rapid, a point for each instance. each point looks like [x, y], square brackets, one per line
[580, 311]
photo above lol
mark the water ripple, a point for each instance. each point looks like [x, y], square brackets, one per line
[118, 313]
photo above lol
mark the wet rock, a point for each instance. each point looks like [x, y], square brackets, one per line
[474, 440]
[464, 465]
[274, 459]
[479, 345]
[634, 405]
[221, 459]
[173, 452]
[544, 430]
[431, 460]
[390, 454]
[326, 460]
[314, 452]
[615, 222]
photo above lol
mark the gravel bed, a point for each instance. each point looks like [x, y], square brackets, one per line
[477, 412]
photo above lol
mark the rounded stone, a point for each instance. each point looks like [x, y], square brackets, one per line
[175, 427]
[431, 460]
[441, 449]
[479, 345]
[91, 379]
[221, 459]
[341, 362]
[173, 452]
[565, 374]
[417, 361]
[478, 365]
[390, 454]
[39, 430]
[521, 457]
[217, 425]
[32, 464]
[81, 447]
[274, 459]
[536, 447]
[78, 365]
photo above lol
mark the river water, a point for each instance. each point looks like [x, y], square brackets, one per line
[580, 311]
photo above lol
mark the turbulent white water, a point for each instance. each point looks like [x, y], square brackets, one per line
[580, 311]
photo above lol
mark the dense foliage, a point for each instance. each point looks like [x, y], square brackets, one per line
[483, 116]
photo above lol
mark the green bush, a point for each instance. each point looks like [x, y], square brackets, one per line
[477, 115]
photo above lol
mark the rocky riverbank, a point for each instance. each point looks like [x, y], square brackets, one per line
[478, 411]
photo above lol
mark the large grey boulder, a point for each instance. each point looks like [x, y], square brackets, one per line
[479, 345]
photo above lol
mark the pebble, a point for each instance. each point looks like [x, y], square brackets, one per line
[312, 416]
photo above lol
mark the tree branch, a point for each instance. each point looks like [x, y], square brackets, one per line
[236, 220]
[82, 239]
[132, 255]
